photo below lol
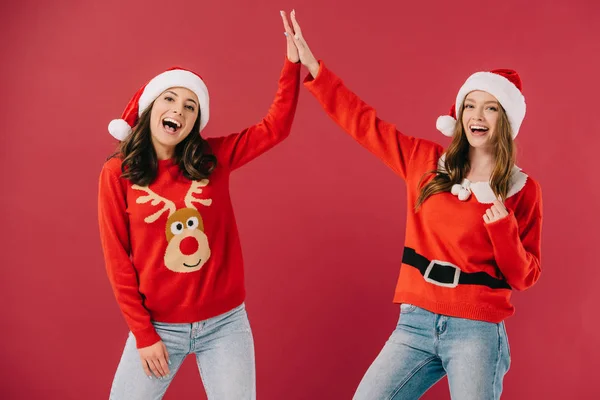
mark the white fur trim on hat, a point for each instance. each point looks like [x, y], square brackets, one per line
[509, 96]
[119, 129]
[177, 78]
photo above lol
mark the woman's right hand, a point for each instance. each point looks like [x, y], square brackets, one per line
[155, 359]
[306, 57]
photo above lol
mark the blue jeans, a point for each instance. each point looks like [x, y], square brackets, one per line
[224, 349]
[426, 346]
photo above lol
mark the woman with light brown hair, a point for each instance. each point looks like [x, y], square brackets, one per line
[473, 233]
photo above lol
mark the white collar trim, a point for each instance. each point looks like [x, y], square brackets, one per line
[482, 190]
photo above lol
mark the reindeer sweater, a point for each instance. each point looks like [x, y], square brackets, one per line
[172, 249]
[453, 263]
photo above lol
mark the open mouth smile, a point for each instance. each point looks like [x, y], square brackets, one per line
[171, 126]
[478, 130]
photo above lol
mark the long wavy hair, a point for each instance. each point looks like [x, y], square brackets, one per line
[140, 163]
[456, 165]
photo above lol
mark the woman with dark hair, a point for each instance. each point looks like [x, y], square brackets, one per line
[169, 235]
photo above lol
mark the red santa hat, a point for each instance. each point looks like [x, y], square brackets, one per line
[503, 84]
[173, 77]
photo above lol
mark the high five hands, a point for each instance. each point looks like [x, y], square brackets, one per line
[297, 48]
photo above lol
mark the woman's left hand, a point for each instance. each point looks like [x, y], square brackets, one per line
[496, 212]
[292, 49]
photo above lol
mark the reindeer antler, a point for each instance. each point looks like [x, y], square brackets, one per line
[195, 188]
[156, 199]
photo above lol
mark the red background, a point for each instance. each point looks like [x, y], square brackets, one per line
[321, 220]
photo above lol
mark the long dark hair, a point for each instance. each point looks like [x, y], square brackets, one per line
[140, 163]
[456, 165]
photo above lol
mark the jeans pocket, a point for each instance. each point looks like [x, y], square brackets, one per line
[406, 308]
[504, 350]
[235, 319]
[505, 335]
[169, 328]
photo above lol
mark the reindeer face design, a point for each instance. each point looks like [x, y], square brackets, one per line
[187, 249]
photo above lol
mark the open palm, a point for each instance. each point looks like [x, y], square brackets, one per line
[295, 38]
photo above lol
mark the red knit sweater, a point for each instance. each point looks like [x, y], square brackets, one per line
[172, 249]
[446, 229]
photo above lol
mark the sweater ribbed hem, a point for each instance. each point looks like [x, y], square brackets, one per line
[476, 312]
[193, 313]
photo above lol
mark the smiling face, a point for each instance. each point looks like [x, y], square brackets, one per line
[173, 116]
[480, 118]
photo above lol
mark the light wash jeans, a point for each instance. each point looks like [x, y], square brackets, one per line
[224, 349]
[426, 346]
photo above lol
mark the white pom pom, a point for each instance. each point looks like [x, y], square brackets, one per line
[462, 191]
[455, 189]
[446, 125]
[464, 194]
[119, 129]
